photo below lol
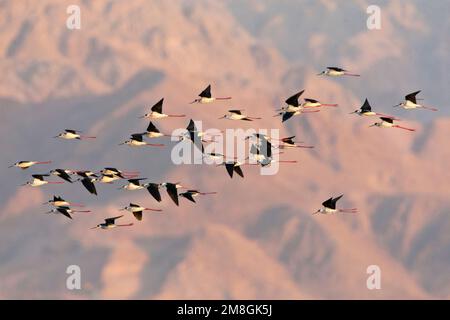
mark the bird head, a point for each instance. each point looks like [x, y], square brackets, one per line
[322, 73]
[374, 125]
[223, 117]
[195, 101]
[96, 227]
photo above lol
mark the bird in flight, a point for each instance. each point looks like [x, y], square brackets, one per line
[411, 102]
[137, 210]
[66, 211]
[190, 194]
[39, 180]
[238, 115]
[337, 72]
[110, 223]
[157, 113]
[70, 134]
[366, 110]
[206, 97]
[57, 201]
[389, 123]
[329, 207]
[27, 164]
[137, 140]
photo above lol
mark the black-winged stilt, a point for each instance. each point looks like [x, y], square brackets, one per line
[111, 223]
[206, 97]
[26, 164]
[337, 72]
[411, 102]
[137, 210]
[329, 207]
[389, 123]
[156, 112]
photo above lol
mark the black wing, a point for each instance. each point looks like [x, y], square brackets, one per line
[158, 106]
[230, 168]
[293, 101]
[287, 116]
[152, 128]
[206, 93]
[311, 100]
[334, 200]
[138, 215]
[191, 126]
[288, 140]
[153, 189]
[63, 210]
[135, 181]
[328, 203]
[172, 191]
[137, 137]
[188, 196]
[63, 175]
[386, 119]
[89, 185]
[366, 106]
[235, 111]
[72, 131]
[238, 170]
[254, 149]
[112, 220]
[336, 69]
[57, 198]
[39, 176]
[412, 96]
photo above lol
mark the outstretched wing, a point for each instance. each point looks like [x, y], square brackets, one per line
[138, 215]
[336, 69]
[206, 93]
[63, 175]
[287, 116]
[137, 137]
[412, 96]
[328, 203]
[230, 168]
[63, 210]
[386, 119]
[366, 106]
[191, 126]
[188, 196]
[334, 200]
[238, 170]
[153, 189]
[172, 191]
[112, 219]
[293, 100]
[89, 185]
[235, 111]
[158, 106]
[311, 100]
[152, 128]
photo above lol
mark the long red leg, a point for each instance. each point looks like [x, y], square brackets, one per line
[55, 182]
[87, 137]
[150, 209]
[206, 193]
[404, 128]
[430, 108]
[329, 105]
[155, 145]
[76, 205]
[223, 98]
[352, 210]
[124, 225]
[352, 74]
[288, 161]
[83, 211]
[310, 111]
[176, 115]
[43, 162]
[308, 147]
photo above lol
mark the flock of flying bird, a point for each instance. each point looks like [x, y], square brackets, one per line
[260, 151]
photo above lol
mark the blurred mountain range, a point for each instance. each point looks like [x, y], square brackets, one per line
[257, 238]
